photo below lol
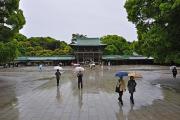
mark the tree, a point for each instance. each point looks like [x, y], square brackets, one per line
[116, 45]
[158, 27]
[77, 36]
[42, 46]
[11, 21]
[8, 51]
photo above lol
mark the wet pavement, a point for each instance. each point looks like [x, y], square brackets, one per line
[27, 94]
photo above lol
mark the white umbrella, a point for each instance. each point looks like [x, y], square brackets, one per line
[77, 69]
[171, 67]
[58, 68]
[76, 64]
[93, 64]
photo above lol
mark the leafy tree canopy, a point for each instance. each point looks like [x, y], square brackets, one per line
[11, 21]
[158, 27]
[42, 46]
[116, 45]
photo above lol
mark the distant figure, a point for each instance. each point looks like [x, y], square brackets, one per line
[80, 82]
[40, 67]
[109, 63]
[58, 75]
[60, 64]
[132, 88]
[174, 71]
[91, 65]
[122, 88]
[102, 65]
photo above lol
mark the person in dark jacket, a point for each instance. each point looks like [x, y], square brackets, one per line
[132, 88]
[58, 75]
[174, 71]
[80, 82]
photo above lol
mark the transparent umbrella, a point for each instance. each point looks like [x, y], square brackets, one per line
[58, 68]
[77, 69]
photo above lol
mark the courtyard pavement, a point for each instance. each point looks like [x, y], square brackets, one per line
[27, 94]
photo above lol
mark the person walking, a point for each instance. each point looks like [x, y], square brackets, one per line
[122, 88]
[174, 71]
[40, 68]
[80, 82]
[132, 88]
[58, 75]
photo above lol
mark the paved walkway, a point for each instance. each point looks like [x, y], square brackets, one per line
[97, 100]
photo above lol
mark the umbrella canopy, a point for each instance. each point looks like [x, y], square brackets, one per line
[121, 74]
[172, 67]
[135, 74]
[58, 68]
[76, 64]
[77, 69]
[92, 64]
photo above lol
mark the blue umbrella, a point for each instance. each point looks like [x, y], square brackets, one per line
[121, 74]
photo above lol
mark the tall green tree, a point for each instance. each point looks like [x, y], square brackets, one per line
[11, 21]
[158, 27]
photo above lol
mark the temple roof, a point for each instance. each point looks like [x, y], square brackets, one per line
[87, 42]
[125, 57]
[63, 57]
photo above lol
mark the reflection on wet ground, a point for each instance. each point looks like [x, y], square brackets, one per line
[38, 97]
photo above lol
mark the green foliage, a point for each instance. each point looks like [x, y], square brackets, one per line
[11, 21]
[20, 37]
[116, 45]
[77, 36]
[158, 28]
[8, 51]
[42, 46]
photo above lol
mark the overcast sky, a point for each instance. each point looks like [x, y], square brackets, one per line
[60, 18]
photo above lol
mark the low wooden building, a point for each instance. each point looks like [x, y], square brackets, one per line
[126, 59]
[64, 60]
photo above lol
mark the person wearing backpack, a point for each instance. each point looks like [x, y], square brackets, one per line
[131, 88]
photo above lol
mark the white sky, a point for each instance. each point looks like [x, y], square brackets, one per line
[59, 19]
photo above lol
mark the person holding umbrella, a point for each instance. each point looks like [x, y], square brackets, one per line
[80, 82]
[132, 88]
[58, 75]
[122, 88]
